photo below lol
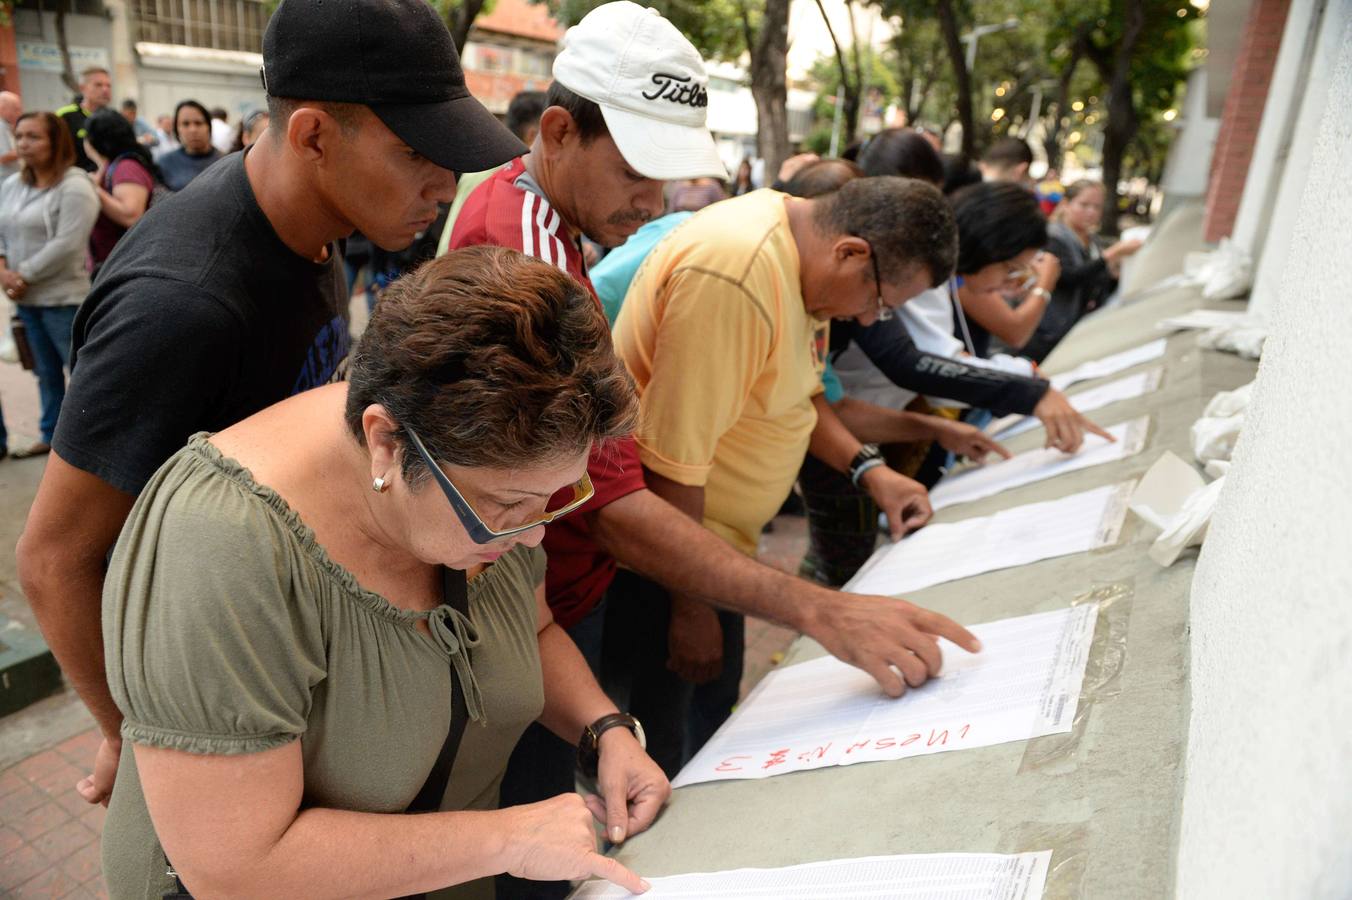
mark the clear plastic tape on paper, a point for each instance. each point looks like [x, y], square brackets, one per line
[1025, 683]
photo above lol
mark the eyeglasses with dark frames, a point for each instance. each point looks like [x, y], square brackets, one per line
[885, 312]
[560, 504]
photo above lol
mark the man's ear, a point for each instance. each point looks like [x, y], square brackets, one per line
[847, 248]
[556, 128]
[312, 134]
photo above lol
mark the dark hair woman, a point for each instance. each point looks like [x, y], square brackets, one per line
[124, 180]
[904, 152]
[1088, 274]
[1001, 233]
[46, 211]
[192, 129]
[289, 632]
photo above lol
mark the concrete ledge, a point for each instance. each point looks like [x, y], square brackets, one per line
[1106, 798]
[28, 671]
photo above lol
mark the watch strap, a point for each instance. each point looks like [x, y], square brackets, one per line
[589, 745]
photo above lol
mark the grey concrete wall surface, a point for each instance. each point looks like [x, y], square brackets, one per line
[1268, 806]
[1104, 798]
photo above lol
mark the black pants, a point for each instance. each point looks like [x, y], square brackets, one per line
[678, 717]
[842, 524]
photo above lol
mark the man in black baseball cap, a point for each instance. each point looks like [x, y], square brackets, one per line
[230, 296]
[395, 58]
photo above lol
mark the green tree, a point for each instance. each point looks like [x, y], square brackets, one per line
[1141, 51]
[459, 16]
[876, 76]
[1011, 61]
[918, 56]
[849, 69]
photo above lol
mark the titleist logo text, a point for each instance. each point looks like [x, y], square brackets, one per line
[677, 89]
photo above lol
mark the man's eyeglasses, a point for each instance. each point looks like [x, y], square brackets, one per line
[885, 312]
[560, 504]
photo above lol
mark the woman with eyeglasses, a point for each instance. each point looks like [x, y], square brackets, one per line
[1088, 274]
[331, 614]
[1002, 233]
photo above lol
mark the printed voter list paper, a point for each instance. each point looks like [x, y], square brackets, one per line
[1012, 537]
[1110, 365]
[1025, 683]
[1128, 388]
[928, 876]
[978, 482]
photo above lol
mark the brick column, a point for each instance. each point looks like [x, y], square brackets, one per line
[1249, 83]
[9, 59]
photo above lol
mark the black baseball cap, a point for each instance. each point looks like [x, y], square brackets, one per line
[394, 56]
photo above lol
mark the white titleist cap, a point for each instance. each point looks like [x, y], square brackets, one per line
[651, 86]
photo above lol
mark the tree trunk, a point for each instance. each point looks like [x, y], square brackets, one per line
[948, 25]
[67, 71]
[769, 84]
[1122, 117]
[850, 86]
[462, 21]
[1051, 142]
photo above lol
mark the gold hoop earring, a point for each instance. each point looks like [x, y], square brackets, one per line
[379, 485]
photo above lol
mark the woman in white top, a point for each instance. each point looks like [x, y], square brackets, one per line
[47, 210]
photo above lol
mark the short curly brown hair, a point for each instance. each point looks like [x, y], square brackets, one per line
[494, 359]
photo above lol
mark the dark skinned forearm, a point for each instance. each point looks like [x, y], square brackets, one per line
[651, 536]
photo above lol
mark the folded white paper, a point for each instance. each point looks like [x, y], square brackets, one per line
[1011, 537]
[1164, 488]
[977, 482]
[1024, 683]
[929, 876]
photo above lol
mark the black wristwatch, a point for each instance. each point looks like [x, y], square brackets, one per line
[868, 457]
[589, 746]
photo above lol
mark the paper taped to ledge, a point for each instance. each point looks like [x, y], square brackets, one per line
[927, 876]
[1128, 388]
[1012, 537]
[1110, 365]
[1032, 466]
[1023, 684]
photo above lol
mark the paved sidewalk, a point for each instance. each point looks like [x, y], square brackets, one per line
[49, 843]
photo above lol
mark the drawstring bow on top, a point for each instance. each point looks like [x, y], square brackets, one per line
[456, 635]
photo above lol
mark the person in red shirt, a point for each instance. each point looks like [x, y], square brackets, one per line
[612, 133]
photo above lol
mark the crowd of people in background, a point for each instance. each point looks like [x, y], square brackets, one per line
[127, 163]
[329, 617]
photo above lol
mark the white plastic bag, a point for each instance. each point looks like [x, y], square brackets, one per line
[1224, 274]
[1214, 438]
[1245, 338]
[1229, 403]
[1188, 527]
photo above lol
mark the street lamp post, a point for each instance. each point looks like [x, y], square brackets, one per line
[981, 31]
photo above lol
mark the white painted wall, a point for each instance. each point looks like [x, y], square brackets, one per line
[1278, 124]
[1188, 169]
[1311, 92]
[1267, 808]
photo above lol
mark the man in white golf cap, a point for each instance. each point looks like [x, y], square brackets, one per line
[627, 112]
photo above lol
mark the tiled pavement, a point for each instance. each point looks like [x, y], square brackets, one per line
[49, 836]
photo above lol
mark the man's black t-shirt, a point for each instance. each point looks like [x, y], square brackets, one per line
[200, 318]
